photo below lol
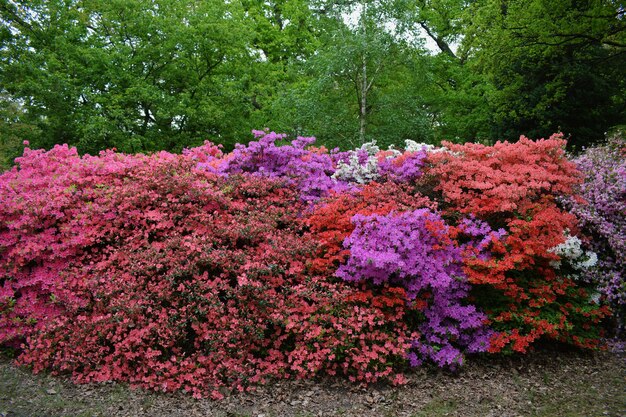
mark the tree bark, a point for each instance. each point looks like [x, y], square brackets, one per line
[364, 86]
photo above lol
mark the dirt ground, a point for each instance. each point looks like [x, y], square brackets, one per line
[546, 383]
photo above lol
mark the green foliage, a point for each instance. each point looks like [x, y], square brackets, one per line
[363, 83]
[13, 132]
[554, 65]
[459, 101]
[168, 74]
[130, 74]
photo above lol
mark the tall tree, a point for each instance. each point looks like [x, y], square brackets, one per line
[132, 74]
[555, 65]
[285, 34]
[163, 74]
[456, 97]
[363, 82]
[440, 20]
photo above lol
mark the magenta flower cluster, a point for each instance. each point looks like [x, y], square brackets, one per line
[414, 250]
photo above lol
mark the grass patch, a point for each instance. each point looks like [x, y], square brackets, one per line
[438, 407]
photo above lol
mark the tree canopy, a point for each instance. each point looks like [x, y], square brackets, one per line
[167, 74]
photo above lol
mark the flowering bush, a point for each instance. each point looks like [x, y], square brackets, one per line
[314, 171]
[572, 254]
[406, 167]
[503, 179]
[46, 197]
[208, 270]
[415, 250]
[178, 278]
[601, 212]
[515, 186]
[359, 166]
[308, 170]
[331, 220]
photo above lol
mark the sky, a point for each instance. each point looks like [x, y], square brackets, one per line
[352, 19]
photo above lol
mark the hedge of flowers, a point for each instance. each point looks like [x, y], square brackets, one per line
[211, 271]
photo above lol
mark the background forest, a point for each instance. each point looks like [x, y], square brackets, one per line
[144, 75]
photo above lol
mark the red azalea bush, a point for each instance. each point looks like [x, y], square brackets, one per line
[515, 186]
[503, 179]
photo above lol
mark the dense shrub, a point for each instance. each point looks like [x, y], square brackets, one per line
[309, 171]
[515, 186]
[208, 270]
[415, 250]
[331, 220]
[316, 172]
[601, 212]
[179, 278]
[44, 204]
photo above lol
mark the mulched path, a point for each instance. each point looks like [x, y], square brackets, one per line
[546, 383]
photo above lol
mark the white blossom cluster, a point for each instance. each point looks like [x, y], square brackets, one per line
[370, 147]
[595, 297]
[571, 250]
[354, 171]
[412, 146]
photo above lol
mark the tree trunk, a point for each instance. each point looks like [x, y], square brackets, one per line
[364, 86]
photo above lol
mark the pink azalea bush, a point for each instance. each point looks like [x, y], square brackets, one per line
[170, 277]
[45, 203]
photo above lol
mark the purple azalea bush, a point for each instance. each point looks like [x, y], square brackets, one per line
[602, 216]
[414, 250]
[314, 171]
[311, 172]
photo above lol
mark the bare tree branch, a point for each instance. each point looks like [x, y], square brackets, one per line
[441, 44]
